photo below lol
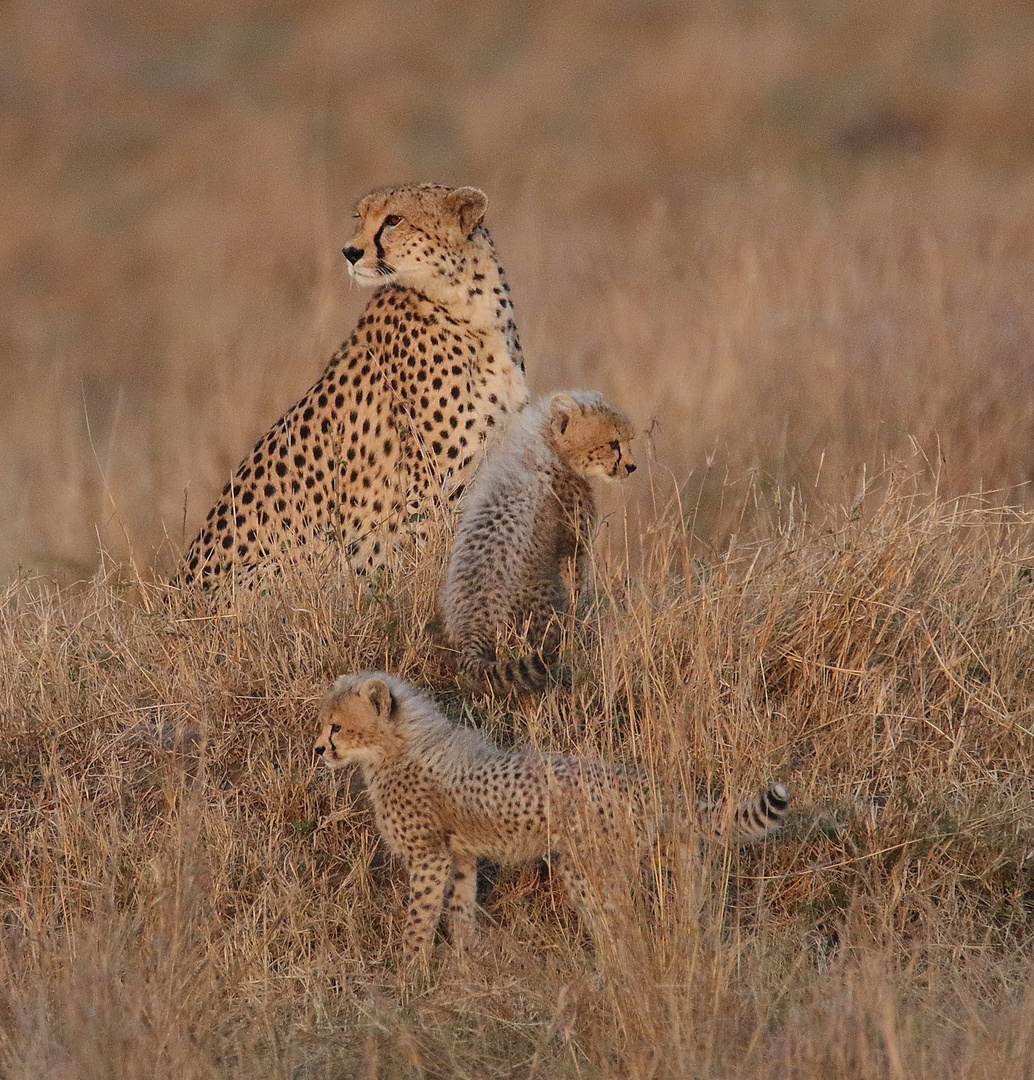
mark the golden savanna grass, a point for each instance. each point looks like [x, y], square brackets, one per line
[185, 892]
[793, 242]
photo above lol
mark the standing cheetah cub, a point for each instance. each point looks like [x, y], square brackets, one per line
[530, 515]
[399, 418]
[444, 795]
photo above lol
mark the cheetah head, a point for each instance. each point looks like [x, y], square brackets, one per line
[412, 234]
[591, 435]
[356, 721]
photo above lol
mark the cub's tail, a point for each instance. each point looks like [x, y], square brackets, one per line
[528, 674]
[754, 819]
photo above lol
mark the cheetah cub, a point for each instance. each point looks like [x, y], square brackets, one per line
[443, 795]
[529, 519]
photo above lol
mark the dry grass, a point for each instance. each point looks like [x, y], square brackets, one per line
[185, 895]
[792, 240]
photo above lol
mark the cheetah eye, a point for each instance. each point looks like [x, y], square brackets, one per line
[335, 728]
[392, 220]
[615, 445]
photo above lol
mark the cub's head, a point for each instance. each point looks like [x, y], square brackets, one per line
[590, 435]
[410, 234]
[357, 720]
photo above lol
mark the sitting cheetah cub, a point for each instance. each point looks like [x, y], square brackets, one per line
[443, 795]
[530, 514]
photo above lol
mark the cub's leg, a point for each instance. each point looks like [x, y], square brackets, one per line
[428, 877]
[542, 605]
[545, 605]
[460, 905]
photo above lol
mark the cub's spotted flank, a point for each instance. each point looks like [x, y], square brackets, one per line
[444, 795]
[529, 520]
[400, 415]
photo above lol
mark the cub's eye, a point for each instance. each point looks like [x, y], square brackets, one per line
[335, 728]
[615, 445]
[392, 220]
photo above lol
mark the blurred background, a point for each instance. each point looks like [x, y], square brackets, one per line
[794, 239]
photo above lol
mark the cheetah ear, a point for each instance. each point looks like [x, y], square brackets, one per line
[469, 206]
[561, 408]
[378, 694]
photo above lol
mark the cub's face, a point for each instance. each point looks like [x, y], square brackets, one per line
[592, 436]
[355, 722]
[411, 234]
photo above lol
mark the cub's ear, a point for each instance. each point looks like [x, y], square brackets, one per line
[379, 696]
[561, 408]
[469, 206]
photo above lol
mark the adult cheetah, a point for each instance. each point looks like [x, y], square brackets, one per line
[400, 416]
[530, 517]
[444, 795]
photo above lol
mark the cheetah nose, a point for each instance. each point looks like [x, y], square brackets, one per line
[630, 467]
[318, 750]
[352, 254]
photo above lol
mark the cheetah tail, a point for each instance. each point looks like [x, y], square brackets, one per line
[522, 675]
[756, 818]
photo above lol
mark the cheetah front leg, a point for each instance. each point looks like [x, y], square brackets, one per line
[460, 905]
[587, 899]
[574, 554]
[546, 605]
[428, 877]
